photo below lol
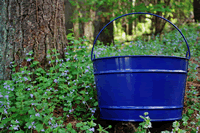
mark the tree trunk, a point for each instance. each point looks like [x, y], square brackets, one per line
[88, 26]
[76, 26]
[196, 6]
[130, 19]
[35, 25]
[4, 45]
[82, 16]
[107, 35]
[81, 25]
[158, 23]
[158, 26]
[69, 10]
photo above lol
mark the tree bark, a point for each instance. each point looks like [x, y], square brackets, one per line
[69, 10]
[35, 25]
[158, 26]
[88, 26]
[130, 19]
[130, 26]
[196, 7]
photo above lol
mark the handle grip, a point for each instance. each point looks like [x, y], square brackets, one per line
[187, 53]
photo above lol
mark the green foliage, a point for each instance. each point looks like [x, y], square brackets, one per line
[169, 44]
[143, 126]
[30, 100]
[175, 11]
[88, 127]
[193, 71]
[176, 126]
[102, 130]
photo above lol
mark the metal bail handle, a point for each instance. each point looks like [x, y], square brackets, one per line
[187, 53]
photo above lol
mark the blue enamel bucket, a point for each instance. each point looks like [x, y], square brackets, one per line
[128, 86]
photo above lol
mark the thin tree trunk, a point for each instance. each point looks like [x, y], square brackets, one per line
[158, 23]
[107, 35]
[69, 10]
[196, 6]
[81, 26]
[76, 27]
[36, 26]
[88, 26]
[130, 19]
[82, 12]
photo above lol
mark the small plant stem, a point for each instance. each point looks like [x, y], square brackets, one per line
[6, 115]
[87, 105]
[22, 104]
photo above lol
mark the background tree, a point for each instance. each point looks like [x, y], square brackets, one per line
[177, 11]
[162, 8]
[196, 4]
[103, 16]
[69, 10]
[37, 26]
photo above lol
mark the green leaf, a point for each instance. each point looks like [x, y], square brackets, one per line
[185, 118]
[62, 130]
[146, 113]
[28, 124]
[79, 124]
[183, 131]
[39, 127]
[69, 125]
[40, 70]
[35, 62]
[176, 124]
[79, 98]
[65, 109]
[96, 103]
[190, 111]
[73, 131]
[165, 132]
[31, 112]
[91, 123]
[13, 122]
[82, 92]
[57, 54]
[39, 107]
[198, 123]
[14, 115]
[20, 131]
[1, 110]
[84, 127]
[61, 69]
[100, 127]
[87, 131]
[38, 74]
[34, 82]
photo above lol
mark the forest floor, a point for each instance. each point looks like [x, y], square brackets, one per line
[130, 127]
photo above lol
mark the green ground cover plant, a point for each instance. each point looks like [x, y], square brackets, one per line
[62, 98]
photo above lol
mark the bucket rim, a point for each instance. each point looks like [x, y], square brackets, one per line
[157, 56]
